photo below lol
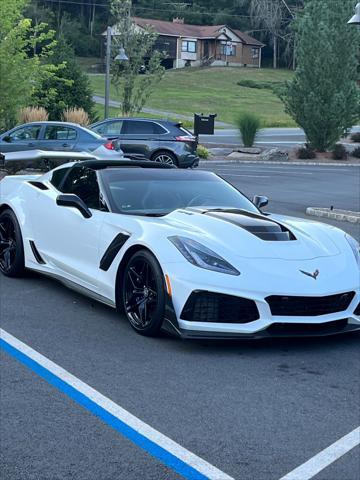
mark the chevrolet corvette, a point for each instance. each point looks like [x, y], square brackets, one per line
[180, 250]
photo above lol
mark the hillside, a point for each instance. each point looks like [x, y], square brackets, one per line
[216, 90]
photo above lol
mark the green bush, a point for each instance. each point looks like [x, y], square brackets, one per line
[203, 152]
[355, 137]
[249, 125]
[339, 152]
[306, 152]
[356, 152]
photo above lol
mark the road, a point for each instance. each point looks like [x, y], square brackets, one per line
[255, 410]
[283, 137]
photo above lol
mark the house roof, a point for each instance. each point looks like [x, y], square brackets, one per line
[195, 31]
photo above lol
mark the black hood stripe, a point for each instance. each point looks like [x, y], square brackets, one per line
[259, 225]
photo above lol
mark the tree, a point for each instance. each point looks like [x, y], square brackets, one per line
[139, 47]
[324, 98]
[20, 69]
[68, 87]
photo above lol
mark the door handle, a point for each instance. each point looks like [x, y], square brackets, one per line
[66, 145]
[31, 144]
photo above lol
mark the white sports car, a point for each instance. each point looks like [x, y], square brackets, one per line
[180, 250]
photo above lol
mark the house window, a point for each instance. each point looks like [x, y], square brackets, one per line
[188, 46]
[228, 49]
[255, 52]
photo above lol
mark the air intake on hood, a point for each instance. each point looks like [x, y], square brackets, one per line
[261, 226]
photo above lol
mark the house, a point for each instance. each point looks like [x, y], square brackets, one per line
[200, 45]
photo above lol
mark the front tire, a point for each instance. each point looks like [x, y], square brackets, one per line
[12, 260]
[143, 293]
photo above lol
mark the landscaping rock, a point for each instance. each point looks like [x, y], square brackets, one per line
[245, 156]
[251, 151]
[275, 155]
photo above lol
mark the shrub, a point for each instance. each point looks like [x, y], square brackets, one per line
[339, 152]
[306, 152]
[76, 115]
[203, 152]
[356, 153]
[33, 114]
[355, 137]
[249, 125]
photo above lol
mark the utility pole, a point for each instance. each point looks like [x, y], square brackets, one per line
[107, 71]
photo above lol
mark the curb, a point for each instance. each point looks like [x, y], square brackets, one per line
[264, 162]
[340, 215]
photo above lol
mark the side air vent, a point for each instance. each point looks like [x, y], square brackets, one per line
[112, 250]
[36, 253]
[39, 185]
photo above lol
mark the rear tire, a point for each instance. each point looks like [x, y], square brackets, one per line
[165, 157]
[143, 293]
[12, 259]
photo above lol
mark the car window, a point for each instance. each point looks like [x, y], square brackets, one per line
[30, 132]
[109, 128]
[83, 182]
[58, 176]
[138, 127]
[57, 132]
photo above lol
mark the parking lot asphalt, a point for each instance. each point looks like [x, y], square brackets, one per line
[255, 410]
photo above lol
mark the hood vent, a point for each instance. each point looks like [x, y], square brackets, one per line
[260, 226]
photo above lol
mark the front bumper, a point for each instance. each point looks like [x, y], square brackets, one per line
[328, 330]
[266, 325]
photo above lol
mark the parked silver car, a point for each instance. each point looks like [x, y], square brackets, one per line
[58, 136]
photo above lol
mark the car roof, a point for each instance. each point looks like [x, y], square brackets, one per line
[134, 119]
[46, 122]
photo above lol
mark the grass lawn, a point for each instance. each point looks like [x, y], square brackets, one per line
[215, 90]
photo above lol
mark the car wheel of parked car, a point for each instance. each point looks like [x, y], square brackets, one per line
[12, 263]
[144, 293]
[165, 157]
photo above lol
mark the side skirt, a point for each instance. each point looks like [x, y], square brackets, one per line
[78, 288]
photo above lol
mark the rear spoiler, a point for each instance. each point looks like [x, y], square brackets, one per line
[39, 160]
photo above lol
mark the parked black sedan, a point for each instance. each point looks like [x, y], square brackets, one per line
[157, 140]
[57, 136]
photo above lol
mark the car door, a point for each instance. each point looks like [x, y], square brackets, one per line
[22, 138]
[59, 137]
[67, 241]
[139, 137]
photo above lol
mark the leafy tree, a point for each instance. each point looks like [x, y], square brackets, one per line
[21, 69]
[139, 47]
[324, 98]
[68, 87]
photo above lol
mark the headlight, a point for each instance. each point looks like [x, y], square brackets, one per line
[355, 247]
[201, 256]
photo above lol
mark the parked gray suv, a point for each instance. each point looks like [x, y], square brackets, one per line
[157, 140]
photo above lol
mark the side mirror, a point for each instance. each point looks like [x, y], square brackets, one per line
[7, 139]
[70, 200]
[260, 201]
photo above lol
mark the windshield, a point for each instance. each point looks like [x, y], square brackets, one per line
[159, 192]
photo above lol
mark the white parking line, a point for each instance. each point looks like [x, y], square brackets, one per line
[319, 462]
[170, 453]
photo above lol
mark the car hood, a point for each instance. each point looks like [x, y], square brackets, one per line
[252, 235]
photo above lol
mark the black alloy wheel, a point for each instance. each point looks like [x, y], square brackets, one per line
[144, 293]
[12, 263]
[165, 157]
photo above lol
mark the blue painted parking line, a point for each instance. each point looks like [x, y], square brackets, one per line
[171, 454]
